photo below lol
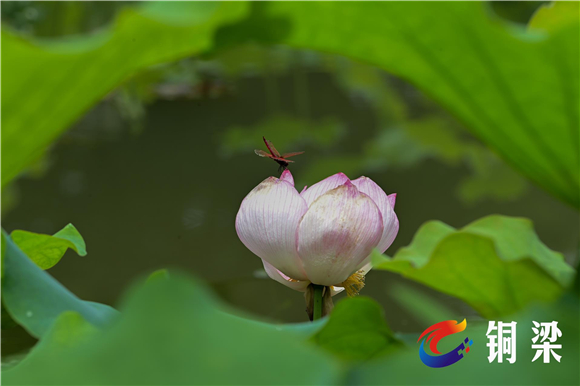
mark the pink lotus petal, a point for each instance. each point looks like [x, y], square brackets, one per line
[386, 205]
[337, 233]
[267, 224]
[287, 176]
[392, 199]
[323, 186]
[298, 285]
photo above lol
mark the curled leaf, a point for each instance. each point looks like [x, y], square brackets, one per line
[47, 250]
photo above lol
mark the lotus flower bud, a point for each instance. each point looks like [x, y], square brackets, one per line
[323, 235]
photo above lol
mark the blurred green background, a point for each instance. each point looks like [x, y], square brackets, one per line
[153, 174]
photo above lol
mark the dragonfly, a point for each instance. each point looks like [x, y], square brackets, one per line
[274, 154]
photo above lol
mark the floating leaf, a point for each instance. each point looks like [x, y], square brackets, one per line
[283, 129]
[35, 299]
[356, 330]
[489, 264]
[47, 250]
[173, 332]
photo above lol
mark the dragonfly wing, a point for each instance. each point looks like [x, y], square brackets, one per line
[271, 147]
[262, 153]
[282, 159]
[288, 155]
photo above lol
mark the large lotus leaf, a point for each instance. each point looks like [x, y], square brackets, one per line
[3, 241]
[173, 332]
[490, 264]
[517, 90]
[47, 85]
[35, 299]
[46, 250]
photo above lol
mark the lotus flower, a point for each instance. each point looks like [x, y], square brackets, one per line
[323, 235]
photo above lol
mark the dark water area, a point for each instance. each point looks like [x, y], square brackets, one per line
[167, 197]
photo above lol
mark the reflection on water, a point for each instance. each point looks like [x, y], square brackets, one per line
[167, 197]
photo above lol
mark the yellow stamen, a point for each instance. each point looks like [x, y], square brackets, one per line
[354, 283]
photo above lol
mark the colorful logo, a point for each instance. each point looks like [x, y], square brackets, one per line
[435, 333]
